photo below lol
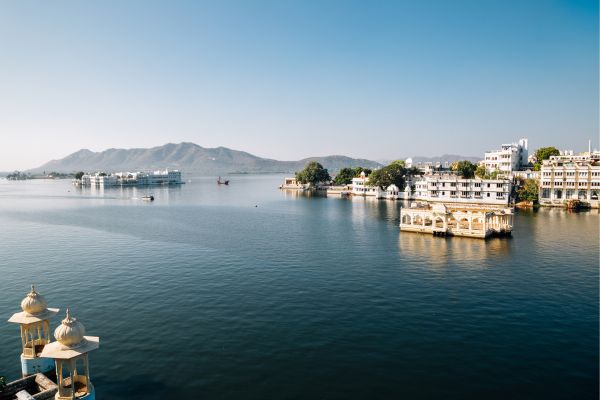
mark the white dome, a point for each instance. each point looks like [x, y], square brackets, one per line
[34, 303]
[70, 331]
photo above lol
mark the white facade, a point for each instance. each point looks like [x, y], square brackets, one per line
[393, 193]
[166, 177]
[570, 177]
[526, 174]
[449, 188]
[360, 187]
[458, 220]
[102, 180]
[511, 157]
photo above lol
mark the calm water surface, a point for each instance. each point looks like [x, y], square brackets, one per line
[249, 292]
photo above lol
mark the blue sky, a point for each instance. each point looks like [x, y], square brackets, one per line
[291, 79]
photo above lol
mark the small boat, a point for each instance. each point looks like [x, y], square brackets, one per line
[148, 197]
[576, 205]
[222, 182]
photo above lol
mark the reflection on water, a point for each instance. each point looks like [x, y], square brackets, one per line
[439, 251]
[166, 194]
[271, 285]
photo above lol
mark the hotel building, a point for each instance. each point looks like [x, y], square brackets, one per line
[449, 188]
[570, 177]
[166, 177]
[511, 157]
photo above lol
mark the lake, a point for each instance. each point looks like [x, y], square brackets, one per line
[245, 291]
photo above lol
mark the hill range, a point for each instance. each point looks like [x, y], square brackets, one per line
[190, 158]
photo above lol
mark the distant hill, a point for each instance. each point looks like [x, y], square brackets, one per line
[190, 158]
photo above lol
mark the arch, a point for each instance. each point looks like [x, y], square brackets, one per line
[439, 222]
[452, 223]
[428, 221]
[418, 220]
[477, 223]
[406, 220]
[463, 223]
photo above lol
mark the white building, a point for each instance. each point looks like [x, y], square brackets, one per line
[511, 157]
[102, 180]
[360, 187]
[450, 188]
[166, 177]
[393, 193]
[570, 177]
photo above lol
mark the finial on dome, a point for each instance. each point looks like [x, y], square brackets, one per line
[34, 303]
[70, 332]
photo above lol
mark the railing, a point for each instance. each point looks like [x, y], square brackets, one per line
[33, 347]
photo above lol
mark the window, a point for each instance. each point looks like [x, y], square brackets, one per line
[488, 195]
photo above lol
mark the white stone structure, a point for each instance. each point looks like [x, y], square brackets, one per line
[571, 177]
[393, 193]
[511, 157]
[166, 177]
[291, 183]
[34, 321]
[360, 187]
[450, 188]
[457, 220]
[70, 353]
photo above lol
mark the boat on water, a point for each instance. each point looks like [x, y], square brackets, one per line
[148, 197]
[222, 182]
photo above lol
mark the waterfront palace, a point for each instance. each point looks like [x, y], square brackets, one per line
[475, 221]
[166, 177]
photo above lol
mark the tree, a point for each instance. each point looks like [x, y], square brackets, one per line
[464, 168]
[480, 171]
[344, 177]
[359, 170]
[313, 173]
[544, 153]
[414, 171]
[79, 175]
[395, 173]
[528, 190]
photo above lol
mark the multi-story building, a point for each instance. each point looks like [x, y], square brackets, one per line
[511, 157]
[570, 177]
[166, 177]
[360, 186]
[450, 188]
[102, 180]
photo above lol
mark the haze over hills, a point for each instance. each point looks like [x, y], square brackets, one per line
[190, 158]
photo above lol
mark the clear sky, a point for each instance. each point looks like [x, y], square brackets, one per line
[291, 79]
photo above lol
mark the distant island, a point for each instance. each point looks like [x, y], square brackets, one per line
[192, 158]
[21, 176]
